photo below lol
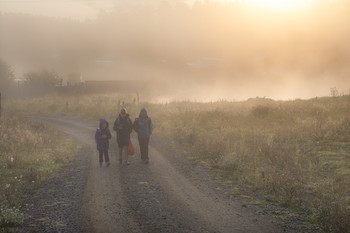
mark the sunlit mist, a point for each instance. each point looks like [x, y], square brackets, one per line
[202, 50]
[279, 5]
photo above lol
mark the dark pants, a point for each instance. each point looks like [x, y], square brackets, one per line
[101, 153]
[143, 142]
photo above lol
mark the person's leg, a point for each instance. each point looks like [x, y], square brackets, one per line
[100, 153]
[146, 149]
[107, 157]
[126, 154]
[142, 148]
[144, 145]
[120, 154]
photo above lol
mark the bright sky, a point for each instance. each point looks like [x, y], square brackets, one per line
[76, 9]
[279, 5]
[81, 9]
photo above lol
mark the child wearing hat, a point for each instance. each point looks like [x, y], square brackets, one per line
[102, 137]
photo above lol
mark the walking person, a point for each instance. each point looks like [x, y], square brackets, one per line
[144, 127]
[123, 127]
[102, 137]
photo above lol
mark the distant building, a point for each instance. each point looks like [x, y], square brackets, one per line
[19, 81]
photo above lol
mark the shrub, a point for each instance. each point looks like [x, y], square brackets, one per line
[261, 111]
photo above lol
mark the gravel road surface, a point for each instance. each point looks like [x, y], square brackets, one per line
[167, 195]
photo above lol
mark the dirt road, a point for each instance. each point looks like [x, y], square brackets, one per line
[166, 195]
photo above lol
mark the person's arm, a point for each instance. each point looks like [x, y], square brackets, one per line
[116, 125]
[97, 136]
[109, 135]
[136, 125]
[130, 126]
[151, 127]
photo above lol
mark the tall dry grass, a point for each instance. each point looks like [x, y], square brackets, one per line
[296, 153]
[30, 153]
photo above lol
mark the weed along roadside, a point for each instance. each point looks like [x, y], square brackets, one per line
[294, 154]
[30, 155]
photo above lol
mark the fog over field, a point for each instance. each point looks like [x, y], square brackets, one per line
[203, 50]
[175, 116]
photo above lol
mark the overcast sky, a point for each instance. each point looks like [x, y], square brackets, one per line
[76, 9]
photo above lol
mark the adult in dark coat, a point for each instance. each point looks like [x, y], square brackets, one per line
[123, 127]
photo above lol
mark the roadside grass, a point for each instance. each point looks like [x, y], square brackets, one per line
[294, 153]
[30, 153]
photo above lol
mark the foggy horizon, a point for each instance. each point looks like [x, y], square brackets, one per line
[209, 51]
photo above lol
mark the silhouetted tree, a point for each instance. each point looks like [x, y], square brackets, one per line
[6, 74]
[334, 92]
[44, 78]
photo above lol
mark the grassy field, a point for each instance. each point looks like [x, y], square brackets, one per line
[30, 153]
[294, 153]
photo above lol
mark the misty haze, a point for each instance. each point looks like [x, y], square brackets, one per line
[174, 116]
[207, 51]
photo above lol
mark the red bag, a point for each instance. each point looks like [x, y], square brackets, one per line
[131, 150]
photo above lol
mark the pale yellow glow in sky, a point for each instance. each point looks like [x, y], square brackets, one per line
[279, 5]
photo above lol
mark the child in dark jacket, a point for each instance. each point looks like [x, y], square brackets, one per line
[144, 127]
[102, 137]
